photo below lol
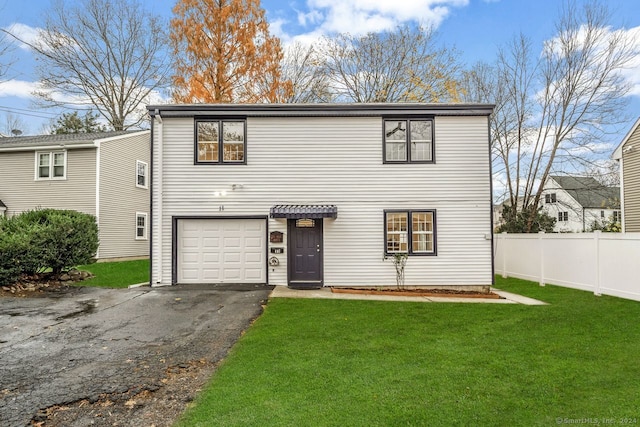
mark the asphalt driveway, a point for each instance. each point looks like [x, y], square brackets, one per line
[87, 343]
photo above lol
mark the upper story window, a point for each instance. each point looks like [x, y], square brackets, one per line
[410, 232]
[51, 165]
[220, 142]
[550, 198]
[408, 141]
[142, 172]
[563, 216]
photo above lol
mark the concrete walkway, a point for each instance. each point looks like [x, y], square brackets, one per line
[325, 293]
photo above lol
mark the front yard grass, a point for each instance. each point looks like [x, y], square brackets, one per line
[118, 274]
[367, 363]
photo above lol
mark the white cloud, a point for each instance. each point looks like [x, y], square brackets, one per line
[358, 17]
[23, 32]
[18, 88]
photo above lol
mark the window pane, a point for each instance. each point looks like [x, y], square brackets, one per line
[140, 225]
[207, 141]
[395, 130]
[420, 140]
[422, 232]
[43, 165]
[395, 137]
[397, 235]
[142, 174]
[420, 130]
[58, 164]
[233, 141]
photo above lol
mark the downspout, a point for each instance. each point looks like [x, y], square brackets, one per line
[159, 194]
[584, 228]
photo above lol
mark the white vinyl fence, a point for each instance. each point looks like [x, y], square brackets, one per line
[603, 263]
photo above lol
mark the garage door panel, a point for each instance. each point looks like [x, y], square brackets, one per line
[221, 250]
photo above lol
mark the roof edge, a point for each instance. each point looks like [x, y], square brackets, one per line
[617, 153]
[351, 109]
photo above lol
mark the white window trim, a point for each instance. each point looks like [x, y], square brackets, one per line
[146, 225]
[51, 166]
[146, 174]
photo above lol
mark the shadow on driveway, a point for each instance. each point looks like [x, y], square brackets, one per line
[86, 343]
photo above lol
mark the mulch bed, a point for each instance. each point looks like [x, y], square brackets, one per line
[418, 293]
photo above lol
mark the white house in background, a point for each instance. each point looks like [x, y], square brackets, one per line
[628, 155]
[102, 174]
[577, 202]
[321, 195]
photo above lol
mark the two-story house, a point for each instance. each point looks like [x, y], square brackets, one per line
[628, 156]
[578, 202]
[311, 195]
[102, 174]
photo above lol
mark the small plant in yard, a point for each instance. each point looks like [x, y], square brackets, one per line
[399, 262]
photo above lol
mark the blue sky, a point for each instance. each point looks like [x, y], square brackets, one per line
[476, 28]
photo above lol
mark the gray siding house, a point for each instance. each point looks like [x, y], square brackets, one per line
[628, 155]
[103, 174]
[321, 195]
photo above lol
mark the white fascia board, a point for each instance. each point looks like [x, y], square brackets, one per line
[617, 153]
[48, 147]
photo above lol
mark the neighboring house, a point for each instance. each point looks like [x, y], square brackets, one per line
[103, 174]
[628, 155]
[578, 202]
[321, 195]
[498, 220]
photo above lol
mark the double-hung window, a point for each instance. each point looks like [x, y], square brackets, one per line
[142, 171]
[51, 165]
[410, 232]
[550, 198]
[220, 142]
[408, 141]
[563, 216]
[141, 226]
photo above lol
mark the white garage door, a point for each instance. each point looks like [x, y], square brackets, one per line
[221, 251]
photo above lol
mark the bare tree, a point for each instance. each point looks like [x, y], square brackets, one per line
[13, 125]
[6, 47]
[301, 67]
[404, 65]
[553, 109]
[105, 53]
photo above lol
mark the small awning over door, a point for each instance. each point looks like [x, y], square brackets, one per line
[304, 211]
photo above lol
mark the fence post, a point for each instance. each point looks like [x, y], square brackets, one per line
[596, 236]
[504, 255]
[541, 243]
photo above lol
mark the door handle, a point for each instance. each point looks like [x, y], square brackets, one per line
[317, 248]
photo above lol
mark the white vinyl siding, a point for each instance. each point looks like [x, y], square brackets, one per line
[337, 160]
[631, 182]
[121, 197]
[20, 191]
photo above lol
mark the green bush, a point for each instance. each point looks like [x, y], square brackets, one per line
[46, 239]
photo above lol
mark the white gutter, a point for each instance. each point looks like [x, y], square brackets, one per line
[48, 147]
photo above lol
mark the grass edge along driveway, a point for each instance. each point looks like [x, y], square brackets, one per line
[355, 363]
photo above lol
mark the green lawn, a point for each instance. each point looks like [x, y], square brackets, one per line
[364, 363]
[116, 274]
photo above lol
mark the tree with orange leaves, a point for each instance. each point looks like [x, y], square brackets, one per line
[224, 53]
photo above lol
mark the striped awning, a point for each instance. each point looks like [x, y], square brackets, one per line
[304, 211]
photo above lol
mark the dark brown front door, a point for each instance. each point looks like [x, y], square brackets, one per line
[305, 253]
